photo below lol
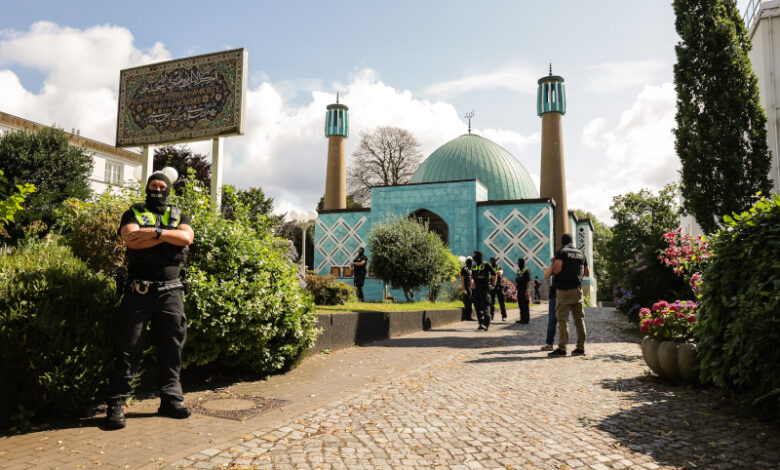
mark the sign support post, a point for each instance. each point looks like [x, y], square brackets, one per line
[147, 157]
[216, 174]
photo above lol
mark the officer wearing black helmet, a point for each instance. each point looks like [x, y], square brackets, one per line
[157, 236]
[483, 281]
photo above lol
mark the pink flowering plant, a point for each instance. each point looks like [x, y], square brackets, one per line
[687, 256]
[669, 322]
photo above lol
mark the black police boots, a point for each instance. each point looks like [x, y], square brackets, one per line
[115, 416]
[173, 409]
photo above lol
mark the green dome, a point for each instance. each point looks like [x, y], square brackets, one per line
[473, 157]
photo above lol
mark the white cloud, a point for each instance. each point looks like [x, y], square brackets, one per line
[520, 79]
[610, 77]
[81, 69]
[639, 153]
[592, 131]
[284, 149]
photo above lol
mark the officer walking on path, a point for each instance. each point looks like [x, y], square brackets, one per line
[465, 285]
[359, 272]
[483, 281]
[498, 292]
[156, 235]
[569, 267]
[521, 281]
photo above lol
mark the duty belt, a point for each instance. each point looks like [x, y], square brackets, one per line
[142, 287]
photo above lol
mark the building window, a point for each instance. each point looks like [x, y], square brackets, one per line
[113, 173]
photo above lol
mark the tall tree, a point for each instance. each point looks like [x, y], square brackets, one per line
[46, 160]
[385, 156]
[720, 134]
[182, 158]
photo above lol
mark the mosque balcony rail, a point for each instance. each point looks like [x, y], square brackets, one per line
[752, 12]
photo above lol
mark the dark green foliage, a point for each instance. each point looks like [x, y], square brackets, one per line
[250, 204]
[56, 320]
[641, 220]
[739, 328]
[602, 235]
[46, 160]
[293, 232]
[11, 201]
[405, 254]
[447, 269]
[326, 291]
[90, 229]
[245, 308]
[183, 160]
[720, 134]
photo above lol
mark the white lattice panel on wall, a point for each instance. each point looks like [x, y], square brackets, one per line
[529, 239]
[339, 242]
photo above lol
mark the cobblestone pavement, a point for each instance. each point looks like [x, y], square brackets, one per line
[450, 398]
[502, 403]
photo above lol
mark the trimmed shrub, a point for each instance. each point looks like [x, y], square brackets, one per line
[405, 254]
[245, 308]
[55, 322]
[326, 291]
[739, 326]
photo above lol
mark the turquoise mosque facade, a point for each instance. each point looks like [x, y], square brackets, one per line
[472, 192]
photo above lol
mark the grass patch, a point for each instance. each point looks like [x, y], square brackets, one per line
[391, 307]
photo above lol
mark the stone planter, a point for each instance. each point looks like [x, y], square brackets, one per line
[650, 353]
[686, 362]
[670, 360]
[667, 358]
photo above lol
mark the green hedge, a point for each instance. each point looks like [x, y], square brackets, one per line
[739, 331]
[56, 320]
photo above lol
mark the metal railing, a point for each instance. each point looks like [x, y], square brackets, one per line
[750, 13]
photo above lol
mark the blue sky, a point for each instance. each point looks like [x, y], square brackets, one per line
[419, 65]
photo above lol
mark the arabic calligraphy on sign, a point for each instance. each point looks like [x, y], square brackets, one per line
[178, 99]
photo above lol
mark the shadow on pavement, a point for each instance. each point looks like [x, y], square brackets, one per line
[688, 427]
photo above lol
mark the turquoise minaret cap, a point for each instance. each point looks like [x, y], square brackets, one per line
[551, 95]
[337, 120]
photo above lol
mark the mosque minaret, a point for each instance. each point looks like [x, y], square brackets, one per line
[551, 106]
[337, 131]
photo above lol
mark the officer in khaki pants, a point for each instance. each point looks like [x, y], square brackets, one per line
[569, 267]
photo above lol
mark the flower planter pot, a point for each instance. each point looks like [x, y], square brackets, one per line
[650, 353]
[686, 362]
[667, 358]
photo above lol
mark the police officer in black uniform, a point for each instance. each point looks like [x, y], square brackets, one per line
[465, 284]
[483, 282]
[498, 292]
[359, 272]
[521, 281]
[569, 267]
[156, 235]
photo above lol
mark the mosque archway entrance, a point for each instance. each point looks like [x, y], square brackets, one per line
[436, 224]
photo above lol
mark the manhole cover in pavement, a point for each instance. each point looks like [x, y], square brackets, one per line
[231, 406]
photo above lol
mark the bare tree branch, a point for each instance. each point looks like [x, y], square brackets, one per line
[385, 156]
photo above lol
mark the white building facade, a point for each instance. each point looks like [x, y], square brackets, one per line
[112, 166]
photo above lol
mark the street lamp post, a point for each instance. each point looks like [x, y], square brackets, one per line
[303, 220]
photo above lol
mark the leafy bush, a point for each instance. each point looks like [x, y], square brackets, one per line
[326, 291]
[447, 269]
[739, 329]
[55, 322]
[90, 229]
[510, 290]
[11, 203]
[405, 254]
[245, 308]
[47, 160]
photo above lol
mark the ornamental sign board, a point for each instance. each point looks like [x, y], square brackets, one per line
[195, 98]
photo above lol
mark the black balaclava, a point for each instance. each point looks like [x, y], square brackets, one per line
[469, 262]
[493, 261]
[157, 201]
[477, 257]
[520, 263]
